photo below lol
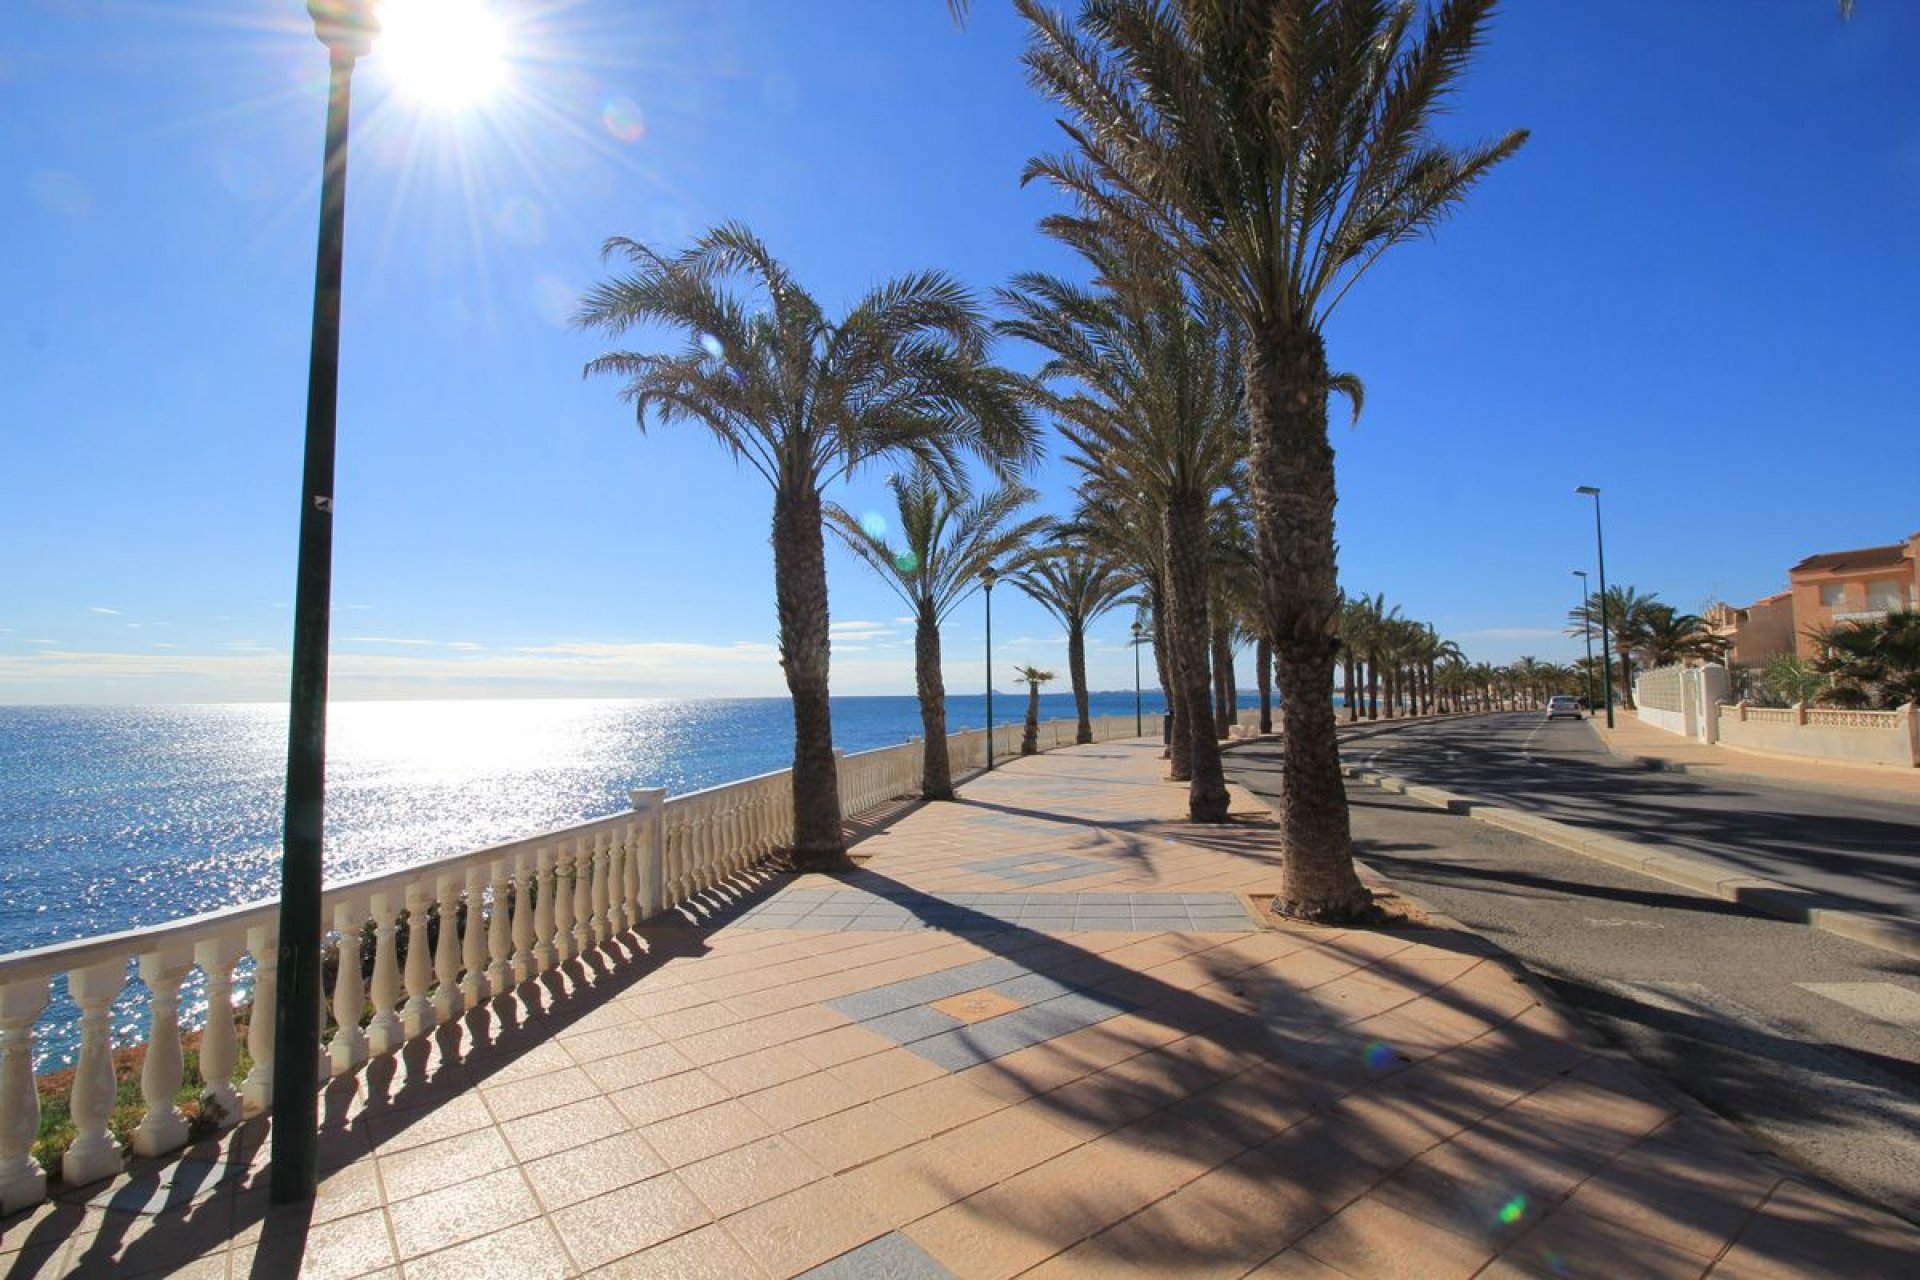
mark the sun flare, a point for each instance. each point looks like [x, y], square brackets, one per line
[446, 53]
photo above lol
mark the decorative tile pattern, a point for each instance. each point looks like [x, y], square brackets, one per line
[1040, 868]
[1035, 1008]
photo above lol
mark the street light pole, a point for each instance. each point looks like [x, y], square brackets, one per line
[987, 577]
[347, 28]
[1586, 628]
[1138, 723]
[1600, 548]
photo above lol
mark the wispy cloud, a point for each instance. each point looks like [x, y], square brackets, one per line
[400, 640]
[100, 608]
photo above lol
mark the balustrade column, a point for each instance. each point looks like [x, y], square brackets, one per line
[602, 846]
[416, 1015]
[620, 881]
[94, 1154]
[586, 902]
[348, 1048]
[22, 1181]
[256, 1091]
[219, 1050]
[530, 891]
[385, 1033]
[650, 850]
[164, 1127]
[506, 898]
[447, 1003]
[475, 987]
[554, 920]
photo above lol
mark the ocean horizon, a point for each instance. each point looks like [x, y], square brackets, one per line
[119, 817]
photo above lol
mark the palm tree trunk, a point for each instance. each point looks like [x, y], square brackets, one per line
[1293, 498]
[1185, 538]
[1179, 753]
[936, 771]
[1226, 711]
[1373, 687]
[1030, 732]
[1077, 673]
[1263, 674]
[1351, 693]
[1625, 697]
[800, 590]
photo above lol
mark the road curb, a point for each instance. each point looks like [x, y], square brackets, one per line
[1722, 773]
[1764, 897]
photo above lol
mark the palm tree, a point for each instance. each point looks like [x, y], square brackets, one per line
[1153, 417]
[1030, 735]
[1872, 662]
[1626, 616]
[1076, 586]
[804, 400]
[944, 545]
[1274, 149]
[1668, 637]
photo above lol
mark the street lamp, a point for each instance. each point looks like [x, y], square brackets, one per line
[1600, 547]
[987, 578]
[1138, 729]
[1586, 627]
[347, 28]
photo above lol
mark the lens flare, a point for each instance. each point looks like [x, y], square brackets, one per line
[906, 562]
[1378, 1055]
[874, 525]
[622, 119]
[1513, 1210]
[711, 345]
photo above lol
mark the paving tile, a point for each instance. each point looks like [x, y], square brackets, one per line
[525, 1251]
[591, 1169]
[461, 1212]
[1373, 1239]
[693, 1136]
[708, 1253]
[661, 1099]
[359, 1245]
[750, 1175]
[420, 1170]
[802, 1229]
[891, 1257]
[624, 1222]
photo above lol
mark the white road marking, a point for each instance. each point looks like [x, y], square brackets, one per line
[1881, 1000]
[1624, 924]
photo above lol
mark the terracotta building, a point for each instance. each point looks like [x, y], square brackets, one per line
[1848, 586]
[1834, 586]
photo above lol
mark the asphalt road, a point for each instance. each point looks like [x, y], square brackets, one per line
[1808, 1041]
[1853, 851]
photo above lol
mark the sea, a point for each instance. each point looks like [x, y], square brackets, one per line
[115, 818]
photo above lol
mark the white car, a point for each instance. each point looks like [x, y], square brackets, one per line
[1562, 705]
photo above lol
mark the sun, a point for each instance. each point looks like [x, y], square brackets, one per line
[446, 53]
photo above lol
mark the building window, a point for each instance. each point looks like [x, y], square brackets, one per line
[1882, 596]
[1833, 595]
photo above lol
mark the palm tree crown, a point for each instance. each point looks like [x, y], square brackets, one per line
[804, 399]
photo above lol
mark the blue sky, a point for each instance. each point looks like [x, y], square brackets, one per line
[1696, 288]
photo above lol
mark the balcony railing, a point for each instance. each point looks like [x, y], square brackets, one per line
[476, 925]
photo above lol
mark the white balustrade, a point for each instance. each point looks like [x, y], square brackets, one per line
[526, 906]
[22, 1181]
[417, 1014]
[94, 1154]
[164, 1127]
[219, 1049]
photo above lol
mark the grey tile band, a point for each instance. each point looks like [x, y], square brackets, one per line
[1048, 1007]
[833, 910]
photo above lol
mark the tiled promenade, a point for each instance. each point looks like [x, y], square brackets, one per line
[1037, 1033]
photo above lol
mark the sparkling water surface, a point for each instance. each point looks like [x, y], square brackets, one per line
[117, 817]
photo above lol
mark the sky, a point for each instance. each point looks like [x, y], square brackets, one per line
[1697, 287]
